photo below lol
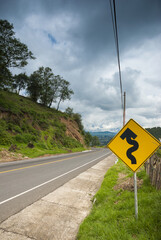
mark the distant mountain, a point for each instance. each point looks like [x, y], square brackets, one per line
[104, 137]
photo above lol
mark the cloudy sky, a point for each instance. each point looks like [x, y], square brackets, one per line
[75, 38]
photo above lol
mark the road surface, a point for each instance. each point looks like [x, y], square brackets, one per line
[24, 182]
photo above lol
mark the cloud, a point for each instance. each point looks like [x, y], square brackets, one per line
[75, 39]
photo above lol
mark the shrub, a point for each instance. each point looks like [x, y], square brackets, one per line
[43, 124]
[5, 138]
[78, 118]
[3, 125]
[59, 135]
[25, 138]
[14, 128]
[60, 125]
[41, 145]
[71, 143]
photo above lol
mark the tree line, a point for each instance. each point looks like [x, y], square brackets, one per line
[42, 85]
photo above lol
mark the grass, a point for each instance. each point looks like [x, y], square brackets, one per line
[36, 152]
[159, 152]
[24, 121]
[113, 215]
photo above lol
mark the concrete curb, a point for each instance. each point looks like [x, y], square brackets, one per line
[58, 215]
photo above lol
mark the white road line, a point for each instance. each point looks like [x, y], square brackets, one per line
[53, 179]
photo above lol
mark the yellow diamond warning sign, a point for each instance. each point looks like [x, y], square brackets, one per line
[133, 145]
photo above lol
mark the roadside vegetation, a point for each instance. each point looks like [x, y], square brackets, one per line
[32, 129]
[113, 214]
[159, 152]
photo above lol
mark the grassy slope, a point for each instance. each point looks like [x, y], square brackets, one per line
[23, 121]
[113, 215]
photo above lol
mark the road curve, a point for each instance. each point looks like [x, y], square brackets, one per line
[24, 182]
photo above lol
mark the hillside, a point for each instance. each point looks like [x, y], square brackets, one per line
[31, 129]
[155, 131]
[104, 137]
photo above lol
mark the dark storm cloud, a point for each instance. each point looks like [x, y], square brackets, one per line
[75, 38]
[136, 20]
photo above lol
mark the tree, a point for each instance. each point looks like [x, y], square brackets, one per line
[55, 89]
[69, 111]
[78, 118]
[95, 141]
[46, 77]
[13, 52]
[45, 86]
[50, 87]
[5, 77]
[64, 91]
[20, 81]
[34, 86]
[88, 138]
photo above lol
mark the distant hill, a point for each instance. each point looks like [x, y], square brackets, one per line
[104, 137]
[155, 131]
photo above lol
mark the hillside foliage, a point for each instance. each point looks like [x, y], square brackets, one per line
[155, 131]
[26, 124]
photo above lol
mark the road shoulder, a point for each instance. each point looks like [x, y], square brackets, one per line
[59, 214]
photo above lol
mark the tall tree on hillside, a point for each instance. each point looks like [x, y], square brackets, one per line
[69, 111]
[34, 86]
[5, 77]
[49, 86]
[13, 53]
[64, 92]
[45, 86]
[20, 81]
[55, 89]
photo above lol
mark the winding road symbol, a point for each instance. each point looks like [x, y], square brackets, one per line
[133, 145]
[128, 135]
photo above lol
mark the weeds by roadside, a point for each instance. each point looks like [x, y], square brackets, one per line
[113, 215]
[31, 129]
[25, 153]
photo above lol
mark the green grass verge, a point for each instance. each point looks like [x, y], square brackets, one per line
[113, 215]
[37, 152]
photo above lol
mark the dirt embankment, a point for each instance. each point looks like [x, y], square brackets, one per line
[127, 183]
[7, 156]
[72, 130]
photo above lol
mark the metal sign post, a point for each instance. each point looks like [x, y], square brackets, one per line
[136, 197]
[133, 145]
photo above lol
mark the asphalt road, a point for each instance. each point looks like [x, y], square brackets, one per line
[24, 182]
